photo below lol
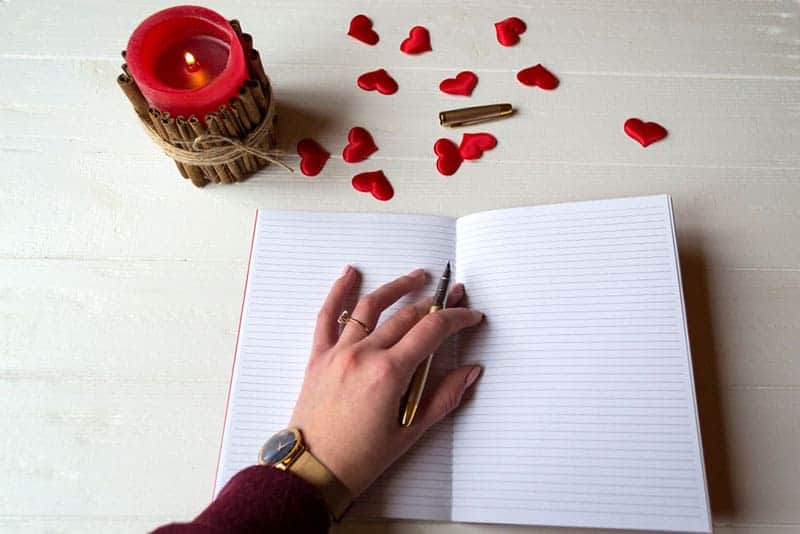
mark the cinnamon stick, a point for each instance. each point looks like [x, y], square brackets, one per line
[125, 65]
[247, 46]
[247, 42]
[155, 119]
[212, 119]
[258, 95]
[262, 102]
[169, 132]
[133, 93]
[249, 104]
[246, 126]
[237, 167]
[257, 70]
[257, 74]
[273, 131]
[199, 129]
[236, 129]
[196, 174]
[238, 109]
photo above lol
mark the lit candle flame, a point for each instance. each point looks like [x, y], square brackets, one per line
[191, 63]
[198, 76]
[189, 58]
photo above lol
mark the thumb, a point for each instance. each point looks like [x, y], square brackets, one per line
[447, 395]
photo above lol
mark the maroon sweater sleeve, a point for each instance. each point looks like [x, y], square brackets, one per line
[260, 499]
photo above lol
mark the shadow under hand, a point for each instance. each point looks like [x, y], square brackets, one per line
[705, 362]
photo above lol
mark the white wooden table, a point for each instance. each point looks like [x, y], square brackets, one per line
[120, 283]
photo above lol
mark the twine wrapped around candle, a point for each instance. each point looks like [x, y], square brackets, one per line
[229, 149]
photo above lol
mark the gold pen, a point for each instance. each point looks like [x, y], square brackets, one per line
[474, 115]
[414, 393]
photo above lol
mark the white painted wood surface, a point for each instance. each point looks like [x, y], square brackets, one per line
[120, 283]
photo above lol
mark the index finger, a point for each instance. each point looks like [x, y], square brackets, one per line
[430, 332]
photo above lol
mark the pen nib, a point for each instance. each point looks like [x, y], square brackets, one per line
[440, 295]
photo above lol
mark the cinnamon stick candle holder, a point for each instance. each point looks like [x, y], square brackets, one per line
[226, 145]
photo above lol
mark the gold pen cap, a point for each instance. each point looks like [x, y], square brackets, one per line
[474, 115]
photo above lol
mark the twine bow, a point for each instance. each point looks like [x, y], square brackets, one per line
[214, 149]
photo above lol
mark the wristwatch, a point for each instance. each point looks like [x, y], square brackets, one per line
[286, 451]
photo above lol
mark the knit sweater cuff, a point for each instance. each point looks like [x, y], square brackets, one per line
[260, 499]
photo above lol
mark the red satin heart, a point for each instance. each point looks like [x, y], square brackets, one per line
[449, 159]
[361, 29]
[312, 157]
[463, 84]
[539, 76]
[644, 132]
[378, 80]
[417, 42]
[374, 182]
[360, 145]
[508, 30]
[473, 145]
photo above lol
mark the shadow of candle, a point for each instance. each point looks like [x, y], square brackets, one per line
[297, 121]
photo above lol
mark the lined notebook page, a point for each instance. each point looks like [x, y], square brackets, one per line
[295, 258]
[585, 414]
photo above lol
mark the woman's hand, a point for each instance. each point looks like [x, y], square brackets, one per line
[349, 406]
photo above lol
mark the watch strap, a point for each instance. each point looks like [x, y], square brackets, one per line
[335, 494]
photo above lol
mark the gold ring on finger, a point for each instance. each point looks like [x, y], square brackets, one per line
[345, 318]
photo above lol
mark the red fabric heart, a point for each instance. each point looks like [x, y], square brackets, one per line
[449, 159]
[508, 30]
[374, 182]
[463, 84]
[361, 29]
[378, 80]
[360, 145]
[644, 132]
[417, 42]
[473, 145]
[312, 157]
[539, 76]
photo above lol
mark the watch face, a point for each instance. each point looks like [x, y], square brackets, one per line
[277, 447]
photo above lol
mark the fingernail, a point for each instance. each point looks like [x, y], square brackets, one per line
[346, 270]
[473, 375]
[416, 273]
[457, 291]
[478, 316]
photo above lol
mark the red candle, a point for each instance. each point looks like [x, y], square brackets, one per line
[186, 60]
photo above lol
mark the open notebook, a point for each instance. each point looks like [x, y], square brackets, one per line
[585, 414]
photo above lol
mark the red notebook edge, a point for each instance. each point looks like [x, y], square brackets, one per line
[235, 350]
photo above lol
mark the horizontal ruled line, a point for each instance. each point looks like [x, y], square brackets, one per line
[630, 224]
[511, 425]
[513, 275]
[546, 414]
[464, 483]
[531, 251]
[538, 508]
[468, 442]
[505, 215]
[517, 475]
[635, 234]
[508, 497]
